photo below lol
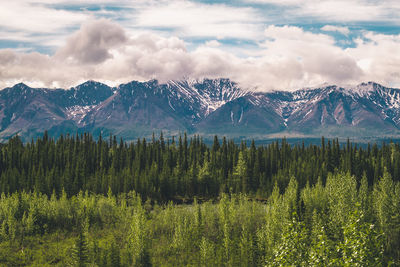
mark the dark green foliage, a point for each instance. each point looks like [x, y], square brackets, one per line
[144, 259]
[71, 202]
[113, 255]
[81, 253]
[165, 170]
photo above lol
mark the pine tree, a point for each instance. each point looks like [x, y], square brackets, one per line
[80, 251]
[240, 175]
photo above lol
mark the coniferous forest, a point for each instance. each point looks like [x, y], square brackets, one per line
[76, 201]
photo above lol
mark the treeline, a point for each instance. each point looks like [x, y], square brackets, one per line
[179, 168]
[340, 223]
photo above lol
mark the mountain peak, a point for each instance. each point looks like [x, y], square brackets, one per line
[21, 85]
[89, 84]
[87, 93]
[201, 106]
[151, 83]
[19, 89]
[364, 89]
[369, 85]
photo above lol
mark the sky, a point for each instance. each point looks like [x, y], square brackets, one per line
[261, 44]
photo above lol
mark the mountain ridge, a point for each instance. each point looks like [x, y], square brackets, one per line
[207, 107]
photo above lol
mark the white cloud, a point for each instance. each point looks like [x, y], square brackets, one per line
[46, 23]
[188, 18]
[339, 10]
[34, 18]
[379, 57]
[344, 10]
[288, 58]
[293, 58]
[333, 28]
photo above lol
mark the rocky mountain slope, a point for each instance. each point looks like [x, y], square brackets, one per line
[209, 106]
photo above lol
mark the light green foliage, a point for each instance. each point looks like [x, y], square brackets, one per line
[364, 197]
[224, 215]
[362, 245]
[292, 250]
[322, 250]
[384, 193]
[246, 247]
[386, 204]
[290, 198]
[246, 198]
[138, 235]
[341, 190]
[207, 253]
[315, 199]
[271, 232]
[314, 226]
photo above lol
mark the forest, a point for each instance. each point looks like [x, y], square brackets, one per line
[76, 201]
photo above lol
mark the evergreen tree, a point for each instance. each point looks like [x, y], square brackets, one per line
[80, 251]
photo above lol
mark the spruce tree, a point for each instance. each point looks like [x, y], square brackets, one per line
[80, 251]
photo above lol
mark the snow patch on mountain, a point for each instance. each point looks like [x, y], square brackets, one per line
[209, 94]
[78, 113]
[188, 103]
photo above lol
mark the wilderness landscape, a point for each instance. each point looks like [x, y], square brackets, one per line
[199, 133]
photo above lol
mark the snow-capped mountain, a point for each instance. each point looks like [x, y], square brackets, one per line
[209, 106]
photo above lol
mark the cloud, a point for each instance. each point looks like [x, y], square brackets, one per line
[338, 10]
[332, 28]
[45, 24]
[34, 68]
[291, 58]
[288, 58]
[187, 18]
[379, 56]
[93, 42]
[34, 18]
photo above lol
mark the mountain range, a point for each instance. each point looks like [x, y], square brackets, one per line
[206, 107]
